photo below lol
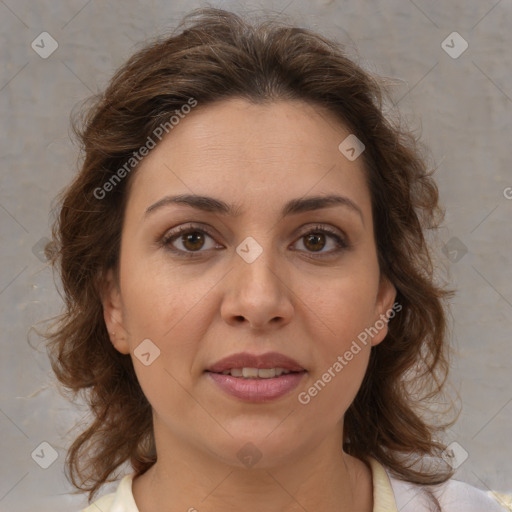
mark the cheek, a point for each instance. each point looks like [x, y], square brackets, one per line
[343, 307]
[339, 317]
[159, 298]
[167, 307]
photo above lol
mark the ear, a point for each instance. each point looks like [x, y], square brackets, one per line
[384, 309]
[113, 313]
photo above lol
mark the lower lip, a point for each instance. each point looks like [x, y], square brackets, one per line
[257, 390]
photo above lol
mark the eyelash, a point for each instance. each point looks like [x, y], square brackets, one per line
[341, 243]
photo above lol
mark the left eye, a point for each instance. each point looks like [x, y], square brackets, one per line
[316, 240]
[192, 240]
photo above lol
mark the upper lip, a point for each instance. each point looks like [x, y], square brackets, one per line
[246, 360]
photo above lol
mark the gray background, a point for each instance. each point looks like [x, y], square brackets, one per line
[462, 106]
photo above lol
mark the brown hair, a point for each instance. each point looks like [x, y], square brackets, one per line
[217, 55]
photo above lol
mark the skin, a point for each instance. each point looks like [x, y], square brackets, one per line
[290, 300]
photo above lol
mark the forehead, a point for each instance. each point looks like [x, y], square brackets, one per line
[254, 152]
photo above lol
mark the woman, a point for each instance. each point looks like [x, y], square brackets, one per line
[251, 309]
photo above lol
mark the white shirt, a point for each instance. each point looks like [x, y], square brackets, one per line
[389, 495]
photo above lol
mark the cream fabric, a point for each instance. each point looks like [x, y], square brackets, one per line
[389, 495]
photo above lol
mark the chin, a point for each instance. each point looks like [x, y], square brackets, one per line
[258, 449]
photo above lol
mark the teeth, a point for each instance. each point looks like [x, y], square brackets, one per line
[266, 373]
[254, 373]
[249, 373]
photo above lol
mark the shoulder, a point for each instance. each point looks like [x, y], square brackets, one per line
[392, 495]
[120, 501]
[453, 496]
[104, 504]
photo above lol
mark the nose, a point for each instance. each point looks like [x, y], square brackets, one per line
[257, 294]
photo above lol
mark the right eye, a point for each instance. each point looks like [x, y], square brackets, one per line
[191, 239]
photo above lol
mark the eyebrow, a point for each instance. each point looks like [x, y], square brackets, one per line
[294, 206]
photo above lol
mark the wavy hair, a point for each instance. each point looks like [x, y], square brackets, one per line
[214, 55]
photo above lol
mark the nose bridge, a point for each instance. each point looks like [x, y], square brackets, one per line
[257, 291]
[256, 265]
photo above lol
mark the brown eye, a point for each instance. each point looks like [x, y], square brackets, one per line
[190, 241]
[193, 240]
[320, 238]
[315, 241]
[187, 241]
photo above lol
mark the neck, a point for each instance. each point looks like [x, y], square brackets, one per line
[187, 479]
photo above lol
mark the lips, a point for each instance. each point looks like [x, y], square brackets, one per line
[260, 362]
[256, 378]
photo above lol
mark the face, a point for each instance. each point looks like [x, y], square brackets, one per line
[259, 268]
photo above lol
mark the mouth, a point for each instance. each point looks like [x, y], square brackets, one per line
[256, 373]
[266, 365]
[256, 378]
